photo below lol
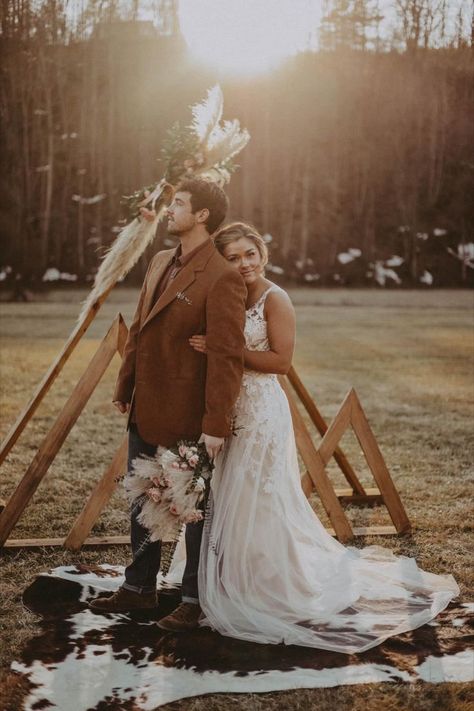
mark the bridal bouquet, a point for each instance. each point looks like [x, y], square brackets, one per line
[169, 487]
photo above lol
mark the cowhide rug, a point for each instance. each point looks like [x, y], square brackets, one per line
[85, 661]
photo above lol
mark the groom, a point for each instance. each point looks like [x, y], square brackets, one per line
[171, 391]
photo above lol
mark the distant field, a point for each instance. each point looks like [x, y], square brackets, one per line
[408, 354]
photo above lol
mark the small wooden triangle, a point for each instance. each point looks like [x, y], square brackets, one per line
[350, 414]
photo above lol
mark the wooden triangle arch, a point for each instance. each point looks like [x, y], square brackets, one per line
[350, 413]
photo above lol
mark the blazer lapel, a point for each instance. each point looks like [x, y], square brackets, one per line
[153, 281]
[181, 282]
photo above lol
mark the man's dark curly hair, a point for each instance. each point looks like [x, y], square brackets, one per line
[206, 195]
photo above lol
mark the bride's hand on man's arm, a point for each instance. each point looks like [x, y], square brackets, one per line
[198, 343]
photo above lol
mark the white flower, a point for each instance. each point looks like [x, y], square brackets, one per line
[190, 452]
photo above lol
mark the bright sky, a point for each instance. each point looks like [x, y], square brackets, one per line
[247, 36]
[252, 36]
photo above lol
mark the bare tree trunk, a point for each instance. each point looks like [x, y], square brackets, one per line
[305, 208]
[287, 229]
[49, 176]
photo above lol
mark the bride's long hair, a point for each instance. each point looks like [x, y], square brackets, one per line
[237, 230]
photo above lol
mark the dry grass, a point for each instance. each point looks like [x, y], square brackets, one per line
[409, 356]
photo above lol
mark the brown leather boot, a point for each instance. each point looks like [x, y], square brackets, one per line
[124, 601]
[185, 617]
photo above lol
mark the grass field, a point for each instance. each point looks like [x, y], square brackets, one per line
[410, 357]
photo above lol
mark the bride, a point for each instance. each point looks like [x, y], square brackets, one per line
[269, 571]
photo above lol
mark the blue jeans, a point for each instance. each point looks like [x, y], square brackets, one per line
[140, 574]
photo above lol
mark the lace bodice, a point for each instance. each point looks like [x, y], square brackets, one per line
[260, 410]
[256, 338]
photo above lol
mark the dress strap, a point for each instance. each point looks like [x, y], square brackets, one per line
[262, 298]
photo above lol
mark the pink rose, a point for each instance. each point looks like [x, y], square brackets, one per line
[192, 461]
[154, 494]
[182, 450]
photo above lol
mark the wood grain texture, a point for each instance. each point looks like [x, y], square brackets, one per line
[317, 472]
[321, 425]
[58, 432]
[98, 499]
[50, 376]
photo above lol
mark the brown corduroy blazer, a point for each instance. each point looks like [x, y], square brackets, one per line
[178, 393]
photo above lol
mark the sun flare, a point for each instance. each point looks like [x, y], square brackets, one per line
[247, 36]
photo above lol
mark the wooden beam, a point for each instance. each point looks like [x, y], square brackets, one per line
[58, 433]
[317, 472]
[125, 540]
[49, 378]
[336, 430]
[372, 497]
[45, 542]
[378, 467]
[361, 531]
[321, 425]
[98, 499]
[346, 495]
[122, 334]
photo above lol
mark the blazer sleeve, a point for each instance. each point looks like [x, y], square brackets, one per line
[225, 321]
[126, 377]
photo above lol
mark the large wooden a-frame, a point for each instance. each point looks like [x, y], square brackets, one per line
[315, 457]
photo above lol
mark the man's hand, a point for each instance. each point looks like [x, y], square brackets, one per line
[149, 215]
[213, 444]
[122, 407]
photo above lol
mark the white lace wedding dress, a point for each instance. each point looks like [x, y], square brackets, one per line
[269, 572]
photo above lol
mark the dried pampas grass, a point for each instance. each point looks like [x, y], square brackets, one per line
[121, 257]
[218, 144]
[160, 484]
[207, 114]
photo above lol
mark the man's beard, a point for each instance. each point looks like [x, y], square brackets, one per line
[176, 231]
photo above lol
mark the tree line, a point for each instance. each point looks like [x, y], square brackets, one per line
[359, 170]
